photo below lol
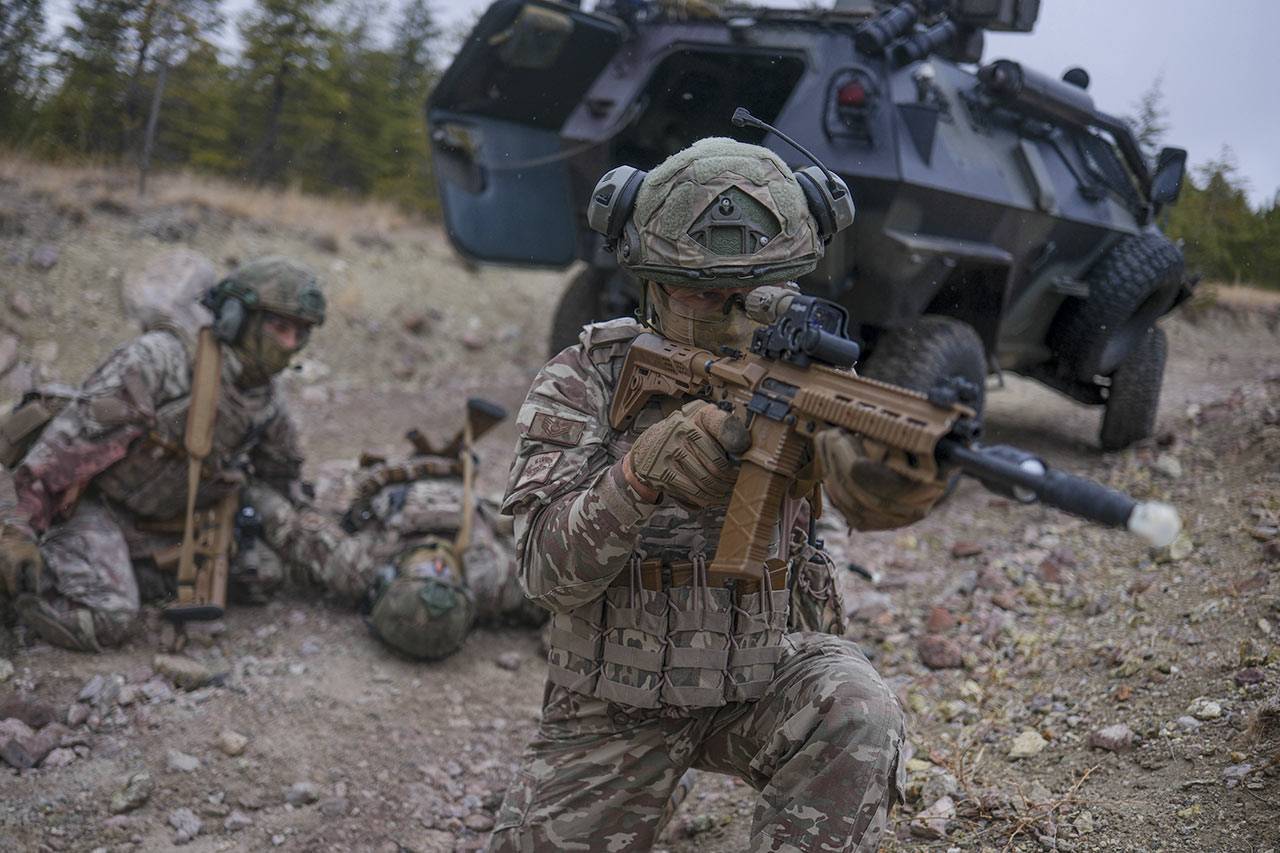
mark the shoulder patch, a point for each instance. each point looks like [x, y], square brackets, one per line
[552, 429]
[539, 467]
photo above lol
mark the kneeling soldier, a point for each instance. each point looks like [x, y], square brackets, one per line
[656, 664]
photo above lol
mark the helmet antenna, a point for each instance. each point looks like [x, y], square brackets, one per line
[742, 118]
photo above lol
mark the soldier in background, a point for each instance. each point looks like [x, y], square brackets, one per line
[93, 523]
[655, 664]
[408, 551]
[100, 492]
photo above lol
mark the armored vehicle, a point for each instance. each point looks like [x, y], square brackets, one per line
[1004, 223]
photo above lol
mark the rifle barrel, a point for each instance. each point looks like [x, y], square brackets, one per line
[1156, 522]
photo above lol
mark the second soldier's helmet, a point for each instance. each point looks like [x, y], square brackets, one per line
[274, 284]
[423, 608]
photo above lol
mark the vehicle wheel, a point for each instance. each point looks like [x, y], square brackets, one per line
[579, 305]
[1131, 287]
[1134, 395]
[930, 350]
[590, 297]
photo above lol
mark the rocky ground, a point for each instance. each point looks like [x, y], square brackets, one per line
[1068, 689]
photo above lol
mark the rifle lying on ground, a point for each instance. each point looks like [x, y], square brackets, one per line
[797, 380]
[453, 459]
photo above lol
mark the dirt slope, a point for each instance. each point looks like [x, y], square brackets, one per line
[1060, 629]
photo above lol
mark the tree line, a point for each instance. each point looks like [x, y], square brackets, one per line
[324, 96]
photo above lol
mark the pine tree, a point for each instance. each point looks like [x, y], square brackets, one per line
[416, 41]
[1213, 218]
[1150, 122]
[284, 42]
[169, 29]
[21, 34]
[85, 113]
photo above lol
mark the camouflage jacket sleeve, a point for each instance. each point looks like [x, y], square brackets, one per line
[576, 519]
[116, 406]
[277, 458]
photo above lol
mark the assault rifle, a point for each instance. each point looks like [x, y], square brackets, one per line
[798, 380]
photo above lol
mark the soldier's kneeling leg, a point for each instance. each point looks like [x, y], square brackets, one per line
[823, 746]
[594, 778]
[90, 595]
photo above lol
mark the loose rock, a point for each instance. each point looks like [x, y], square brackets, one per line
[20, 305]
[1167, 465]
[44, 257]
[938, 652]
[964, 548]
[1250, 675]
[939, 620]
[232, 743]
[59, 757]
[334, 806]
[185, 824]
[1117, 738]
[1027, 744]
[137, 790]
[33, 712]
[933, 822]
[182, 671]
[1203, 708]
[182, 763]
[237, 821]
[509, 660]
[479, 822]
[301, 794]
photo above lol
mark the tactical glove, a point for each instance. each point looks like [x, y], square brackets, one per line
[687, 454]
[869, 494]
[20, 560]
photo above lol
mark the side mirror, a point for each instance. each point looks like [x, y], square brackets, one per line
[1166, 184]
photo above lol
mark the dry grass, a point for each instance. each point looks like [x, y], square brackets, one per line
[88, 183]
[1243, 296]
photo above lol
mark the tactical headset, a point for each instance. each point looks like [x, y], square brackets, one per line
[614, 198]
[230, 301]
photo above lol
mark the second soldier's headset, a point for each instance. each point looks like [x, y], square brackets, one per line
[614, 198]
[230, 301]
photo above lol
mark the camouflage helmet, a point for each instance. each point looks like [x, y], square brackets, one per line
[425, 610]
[720, 214]
[279, 285]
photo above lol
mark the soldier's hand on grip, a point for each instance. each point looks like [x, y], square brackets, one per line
[687, 454]
[20, 561]
[870, 495]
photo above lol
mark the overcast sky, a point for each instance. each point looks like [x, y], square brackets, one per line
[1219, 62]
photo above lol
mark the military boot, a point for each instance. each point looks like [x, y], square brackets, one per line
[71, 629]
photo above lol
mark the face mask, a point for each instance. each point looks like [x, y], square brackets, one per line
[708, 328]
[262, 354]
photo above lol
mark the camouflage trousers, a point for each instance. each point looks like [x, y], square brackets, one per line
[823, 747]
[88, 566]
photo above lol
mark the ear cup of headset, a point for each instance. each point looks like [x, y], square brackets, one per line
[613, 199]
[820, 206]
[833, 211]
[230, 304]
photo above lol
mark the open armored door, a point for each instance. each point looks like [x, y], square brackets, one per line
[495, 120]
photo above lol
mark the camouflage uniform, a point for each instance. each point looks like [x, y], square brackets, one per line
[647, 680]
[319, 552]
[111, 465]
